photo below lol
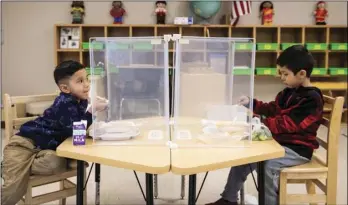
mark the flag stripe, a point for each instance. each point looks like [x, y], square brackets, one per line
[235, 9]
[249, 7]
[240, 8]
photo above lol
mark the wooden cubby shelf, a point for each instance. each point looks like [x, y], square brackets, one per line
[328, 44]
[118, 31]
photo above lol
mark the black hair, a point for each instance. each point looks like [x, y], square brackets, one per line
[66, 69]
[296, 58]
[264, 2]
[121, 4]
[161, 2]
[78, 4]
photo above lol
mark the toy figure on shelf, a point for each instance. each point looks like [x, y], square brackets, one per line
[320, 13]
[77, 12]
[117, 12]
[266, 12]
[161, 12]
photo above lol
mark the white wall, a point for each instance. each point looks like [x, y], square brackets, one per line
[28, 52]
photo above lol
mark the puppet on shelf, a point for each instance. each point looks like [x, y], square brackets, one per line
[266, 13]
[117, 12]
[161, 12]
[320, 13]
[77, 12]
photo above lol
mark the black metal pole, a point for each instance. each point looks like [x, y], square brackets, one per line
[192, 189]
[80, 181]
[141, 189]
[200, 189]
[97, 184]
[261, 182]
[149, 189]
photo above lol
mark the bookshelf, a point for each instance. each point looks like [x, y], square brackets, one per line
[328, 44]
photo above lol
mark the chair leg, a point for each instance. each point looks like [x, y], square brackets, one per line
[282, 188]
[310, 188]
[29, 195]
[62, 187]
[182, 187]
[331, 190]
[155, 183]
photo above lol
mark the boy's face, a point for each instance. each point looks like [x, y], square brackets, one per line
[77, 85]
[267, 5]
[117, 4]
[290, 79]
[161, 5]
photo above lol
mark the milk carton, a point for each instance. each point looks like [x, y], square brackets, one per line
[79, 133]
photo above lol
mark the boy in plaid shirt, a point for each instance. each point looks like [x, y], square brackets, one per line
[32, 149]
[293, 118]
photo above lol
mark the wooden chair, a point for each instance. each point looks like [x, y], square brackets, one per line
[319, 172]
[13, 122]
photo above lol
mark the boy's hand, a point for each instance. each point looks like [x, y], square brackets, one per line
[99, 104]
[244, 100]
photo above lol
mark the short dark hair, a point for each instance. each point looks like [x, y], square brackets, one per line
[296, 58]
[263, 3]
[161, 2]
[66, 69]
[78, 4]
[120, 2]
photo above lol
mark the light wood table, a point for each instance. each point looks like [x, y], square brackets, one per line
[148, 159]
[191, 161]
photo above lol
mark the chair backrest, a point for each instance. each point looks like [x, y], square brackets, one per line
[12, 121]
[333, 124]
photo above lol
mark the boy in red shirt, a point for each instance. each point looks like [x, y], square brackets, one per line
[293, 118]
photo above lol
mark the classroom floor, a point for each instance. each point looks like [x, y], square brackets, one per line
[119, 186]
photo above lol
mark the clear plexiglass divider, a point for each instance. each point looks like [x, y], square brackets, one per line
[132, 76]
[212, 75]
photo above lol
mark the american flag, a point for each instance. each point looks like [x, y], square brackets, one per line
[240, 8]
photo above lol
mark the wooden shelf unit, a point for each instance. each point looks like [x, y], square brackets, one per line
[277, 36]
[326, 58]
